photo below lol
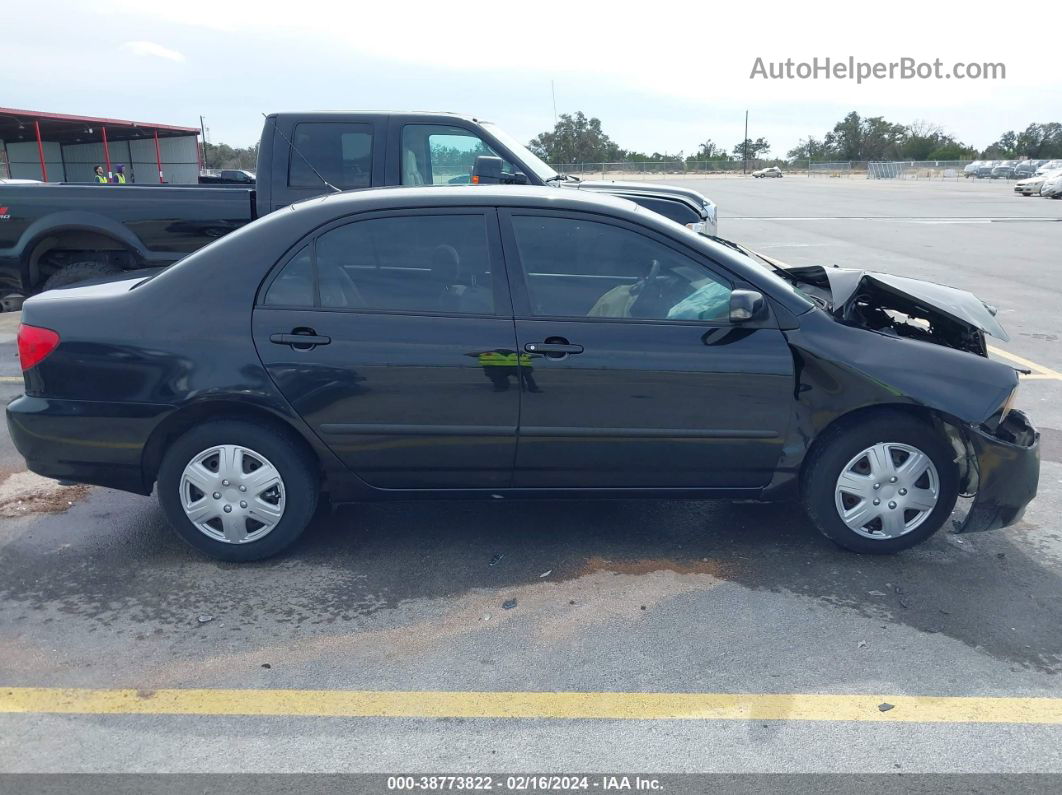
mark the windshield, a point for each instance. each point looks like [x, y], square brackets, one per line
[776, 270]
[528, 159]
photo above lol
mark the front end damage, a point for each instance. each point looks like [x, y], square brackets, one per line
[901, 307]
[1001, 469]
[998, 456]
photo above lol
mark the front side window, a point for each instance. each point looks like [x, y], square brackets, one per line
[432, 263]
[341, 152]
[434, 154]
[579, 268]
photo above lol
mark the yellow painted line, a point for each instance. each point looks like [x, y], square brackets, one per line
[562, 705]
[1039, 371]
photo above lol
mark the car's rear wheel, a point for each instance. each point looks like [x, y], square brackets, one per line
[880, 485]
[237, 490]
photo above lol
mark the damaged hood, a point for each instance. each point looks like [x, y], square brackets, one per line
[844, 284]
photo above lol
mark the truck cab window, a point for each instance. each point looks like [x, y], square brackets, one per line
[435, 154]
[341, 153]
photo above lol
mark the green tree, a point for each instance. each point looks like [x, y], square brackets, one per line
[709, 150]
[751, 149]
[1041, 141]
[225, 156]
[873, 138]
[810, 148]
[576, 139]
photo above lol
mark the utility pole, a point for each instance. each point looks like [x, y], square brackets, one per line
[202, 127]
[745, 164]
[553, 91]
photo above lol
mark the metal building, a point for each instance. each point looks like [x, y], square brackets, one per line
[57, 147]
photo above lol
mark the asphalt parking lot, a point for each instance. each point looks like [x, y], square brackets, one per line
[387, 620]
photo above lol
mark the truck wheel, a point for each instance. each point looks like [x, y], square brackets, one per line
[78, 272]
[881, 485]
[238, 491]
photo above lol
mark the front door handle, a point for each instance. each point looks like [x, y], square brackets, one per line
[302, 338]
[548, 348]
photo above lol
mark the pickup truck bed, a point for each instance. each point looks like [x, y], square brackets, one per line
[46, 227]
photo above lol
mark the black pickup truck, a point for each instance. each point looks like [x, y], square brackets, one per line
[57, 234]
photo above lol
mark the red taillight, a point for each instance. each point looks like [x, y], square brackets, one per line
[34, 344]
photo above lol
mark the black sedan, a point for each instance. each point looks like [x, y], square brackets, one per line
[514, 342]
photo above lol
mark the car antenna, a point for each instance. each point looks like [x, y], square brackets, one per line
[304, 160]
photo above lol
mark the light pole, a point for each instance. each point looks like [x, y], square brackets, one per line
[745, 163]
[202, 127]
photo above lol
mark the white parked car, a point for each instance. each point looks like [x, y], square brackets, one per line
[1050, 165]
[771, 171]
[1031, 186]
[1052, 188]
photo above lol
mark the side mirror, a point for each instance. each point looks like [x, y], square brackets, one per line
[747, 306]
[519, 178]
[487, 170]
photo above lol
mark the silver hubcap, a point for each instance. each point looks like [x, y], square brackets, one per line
[232, 494]
[887, 490]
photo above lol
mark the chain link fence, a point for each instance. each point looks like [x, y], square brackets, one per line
[656, 169]
[704, 169]
[917, 169]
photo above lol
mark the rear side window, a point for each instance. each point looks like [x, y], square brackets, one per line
[414, 263]
[341, 153]
[294, 285]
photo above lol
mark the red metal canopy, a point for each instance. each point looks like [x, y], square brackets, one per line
[19, 124]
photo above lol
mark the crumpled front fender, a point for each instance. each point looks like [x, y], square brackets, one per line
[1006, 472]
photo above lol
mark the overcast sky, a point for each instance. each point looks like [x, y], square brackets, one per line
[660, 76]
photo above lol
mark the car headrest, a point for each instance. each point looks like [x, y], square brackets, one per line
[445, 264]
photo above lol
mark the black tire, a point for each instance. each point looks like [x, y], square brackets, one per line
[838, 445]
[79, 272]
[298, 473]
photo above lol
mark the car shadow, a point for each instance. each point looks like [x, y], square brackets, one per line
[113, 562]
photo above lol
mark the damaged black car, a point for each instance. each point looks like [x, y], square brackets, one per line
[515, 343]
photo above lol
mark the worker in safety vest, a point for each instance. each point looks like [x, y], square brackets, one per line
[100, 176]
[119, 174]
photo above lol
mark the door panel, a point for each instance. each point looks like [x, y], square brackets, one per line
[648, 384]
[403, 400]
[647, 405]
[409, 377]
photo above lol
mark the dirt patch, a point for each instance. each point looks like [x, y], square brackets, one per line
[24, 493]
[649, 565]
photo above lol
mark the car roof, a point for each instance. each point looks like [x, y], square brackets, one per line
[369, 199]
[345, 114]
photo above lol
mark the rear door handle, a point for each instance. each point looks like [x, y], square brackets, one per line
[299, 340]
[552, 347]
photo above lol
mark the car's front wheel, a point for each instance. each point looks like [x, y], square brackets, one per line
[880, 485]
[237, 490]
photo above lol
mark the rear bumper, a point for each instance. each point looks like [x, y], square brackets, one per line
[84, 441]
[1008, 472]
